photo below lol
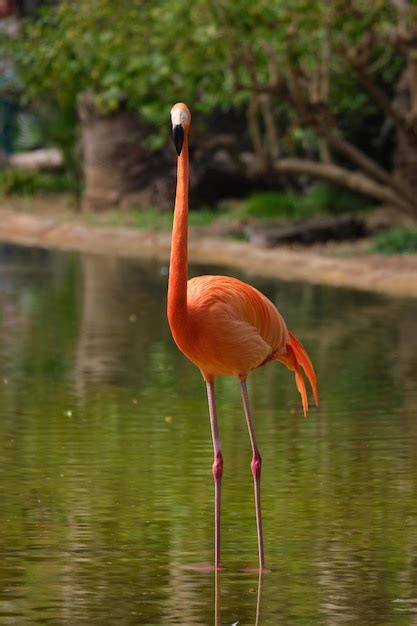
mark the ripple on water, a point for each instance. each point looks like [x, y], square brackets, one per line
[105, 459]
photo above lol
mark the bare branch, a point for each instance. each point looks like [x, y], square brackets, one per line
[271, 133]
[325, 69]
[357, 157]
[341, 176]
[369, 166]
[400, 7]
[383, 103]
[412, 84]
[255, 132]
[324, 151]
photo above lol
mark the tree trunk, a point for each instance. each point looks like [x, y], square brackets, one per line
[405, 154]
[118, 171]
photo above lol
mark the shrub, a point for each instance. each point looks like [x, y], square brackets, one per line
[29, 182]
[396, 240]
[320, 199]
[328, 198]
[269, 204]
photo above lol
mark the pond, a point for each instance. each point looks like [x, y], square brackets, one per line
[105, 457]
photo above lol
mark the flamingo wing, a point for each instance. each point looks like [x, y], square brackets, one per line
[233, 328]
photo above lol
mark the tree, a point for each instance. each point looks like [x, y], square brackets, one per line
[329, 67]
[317, 81]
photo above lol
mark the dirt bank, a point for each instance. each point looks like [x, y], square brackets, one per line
[396, 274]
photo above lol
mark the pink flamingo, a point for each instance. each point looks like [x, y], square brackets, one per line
[225, 327]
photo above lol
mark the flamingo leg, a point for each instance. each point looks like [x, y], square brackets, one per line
[217, 470]
[256, 465]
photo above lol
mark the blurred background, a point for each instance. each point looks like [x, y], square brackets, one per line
[304, 132]
[299, 109]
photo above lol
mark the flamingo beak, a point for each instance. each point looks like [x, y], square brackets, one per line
[178, 137]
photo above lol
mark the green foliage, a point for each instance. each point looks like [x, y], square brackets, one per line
[269, 205]
[328, 198]
[205, 52]
[319, 199]
[396, 240]
[147, 55]
[152, 218]
[144, 58]
[28, 182]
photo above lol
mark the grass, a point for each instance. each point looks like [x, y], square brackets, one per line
[150, 218]
[259, 206]
[395, 241]
[30, 183]
[320, 199]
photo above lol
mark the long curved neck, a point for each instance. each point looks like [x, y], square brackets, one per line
[178, 267]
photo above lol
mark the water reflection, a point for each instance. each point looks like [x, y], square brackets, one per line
[105, 458]
[217, 599]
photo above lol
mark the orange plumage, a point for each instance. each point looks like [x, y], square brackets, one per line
[225, 327]
[231, 328]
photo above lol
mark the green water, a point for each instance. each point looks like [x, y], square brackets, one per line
[105, 458]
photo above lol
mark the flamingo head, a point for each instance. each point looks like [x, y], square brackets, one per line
[180, 119]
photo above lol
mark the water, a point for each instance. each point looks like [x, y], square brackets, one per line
[105, 455]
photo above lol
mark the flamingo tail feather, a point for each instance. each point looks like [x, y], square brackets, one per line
[297, 359]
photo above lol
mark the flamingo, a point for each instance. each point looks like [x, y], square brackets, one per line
[225, 327]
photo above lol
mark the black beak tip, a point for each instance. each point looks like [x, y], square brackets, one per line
[178, 137]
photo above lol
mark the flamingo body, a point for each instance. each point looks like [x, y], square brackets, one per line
[231, 327]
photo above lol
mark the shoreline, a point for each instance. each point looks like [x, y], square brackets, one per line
[389, 274]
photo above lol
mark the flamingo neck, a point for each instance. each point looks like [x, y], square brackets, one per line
[178, 267]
